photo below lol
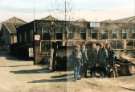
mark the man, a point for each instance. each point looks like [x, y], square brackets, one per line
[84, 61]
[77, 62]
[92, 58]
[102, 60]
[111, 61]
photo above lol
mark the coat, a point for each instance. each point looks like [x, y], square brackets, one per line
[111, 56]
[102, 57]
[92, 56]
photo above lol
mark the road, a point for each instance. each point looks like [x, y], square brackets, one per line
[22, 76]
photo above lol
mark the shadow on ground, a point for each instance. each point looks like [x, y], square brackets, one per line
[31, 71]
[61, 76]
[52, 80]
[56, 78]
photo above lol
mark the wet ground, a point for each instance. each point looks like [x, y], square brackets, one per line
[22, 76]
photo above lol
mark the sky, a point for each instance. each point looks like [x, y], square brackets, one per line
[91, 10]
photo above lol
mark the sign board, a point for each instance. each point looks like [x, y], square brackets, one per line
[31, 53]
[37, 37]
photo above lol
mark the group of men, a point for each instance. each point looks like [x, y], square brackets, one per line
[92, 57]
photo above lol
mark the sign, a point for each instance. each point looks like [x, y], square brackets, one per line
[37, 37]
[31, 52]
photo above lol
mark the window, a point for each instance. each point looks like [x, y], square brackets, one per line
[25, 36]
[104, 35]
[59, 36]
[124, 34]
[46, 36]
[117, 44]
[114, 34]
[133, 33]
[93, 34]
[19, 37]
[94, 24]
[45, 46]
[83, 34]
[70, 35]
[31, 35]
[130, 44]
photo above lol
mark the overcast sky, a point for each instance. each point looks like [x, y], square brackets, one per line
[87, 9]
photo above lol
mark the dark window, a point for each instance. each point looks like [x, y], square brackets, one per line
[46, 36]
[104, 35]
[114, 34]
[94, 34]
[59, 36]
[124, 34]
[19, 37]
[130, 44]
[45, 46]
[133, 34]
[31, 35]
[83, 35]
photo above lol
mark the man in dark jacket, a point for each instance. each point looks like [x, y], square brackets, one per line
[102, 60]
[111, 61]
[92, 58]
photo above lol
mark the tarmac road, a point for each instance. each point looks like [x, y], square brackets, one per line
[23, 76]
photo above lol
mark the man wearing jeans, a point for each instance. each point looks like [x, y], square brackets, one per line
[77, 62]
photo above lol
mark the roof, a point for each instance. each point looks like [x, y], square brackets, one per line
[126, 20]
[81, 20]
[80, 23]
[10, 27]
[106, 21]
[13, 23]
[50, 17]
[15, 20]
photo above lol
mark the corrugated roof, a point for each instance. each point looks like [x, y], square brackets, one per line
[13, 23]
[10, 27]
[15, 20]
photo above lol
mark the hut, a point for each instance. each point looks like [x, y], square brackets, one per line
[9, 30]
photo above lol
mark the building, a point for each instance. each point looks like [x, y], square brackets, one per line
[9, 29]
[39, 36]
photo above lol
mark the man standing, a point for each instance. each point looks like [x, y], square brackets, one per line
[102, 60]
[84, 61]
[111, 62]
[92, 58]
[77, 62]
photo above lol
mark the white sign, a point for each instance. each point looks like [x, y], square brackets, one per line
[31, 52]
[37, 37]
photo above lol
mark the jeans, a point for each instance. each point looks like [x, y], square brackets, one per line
[77, 71]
